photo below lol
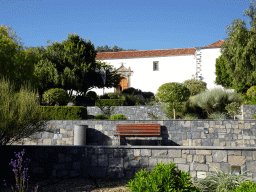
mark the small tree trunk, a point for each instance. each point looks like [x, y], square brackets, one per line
[173, 111]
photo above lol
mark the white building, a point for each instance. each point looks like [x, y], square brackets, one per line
[148, 70]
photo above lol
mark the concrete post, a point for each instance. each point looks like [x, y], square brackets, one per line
[80, 134]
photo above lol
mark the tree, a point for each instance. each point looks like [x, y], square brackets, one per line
[195, 86]
[173, 93]
[16, 64]
[71, 65]
[20, 114]
[238, 49]
[222, 75]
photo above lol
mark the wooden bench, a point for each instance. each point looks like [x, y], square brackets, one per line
[149, 130]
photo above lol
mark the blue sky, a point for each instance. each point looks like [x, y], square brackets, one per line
[140, 24]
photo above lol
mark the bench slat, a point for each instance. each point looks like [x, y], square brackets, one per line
[139, 134]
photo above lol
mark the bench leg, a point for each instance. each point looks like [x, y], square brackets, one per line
[116, 140]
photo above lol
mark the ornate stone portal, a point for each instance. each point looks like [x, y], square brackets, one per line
[126, 77]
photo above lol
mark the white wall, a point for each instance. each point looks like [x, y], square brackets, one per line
[171, 69]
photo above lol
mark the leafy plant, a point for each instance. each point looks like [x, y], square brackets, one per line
[100, 117]
[116, 117]
[22, 174]
[245, 187]
[220, 182]
[153, 116]
[162, 178]
[195, 86]
[131, 91]
[174, 94]
[233, 109]
[56, 95]
[91, 95]
[218, 115]
[190, 116]
[215, 100]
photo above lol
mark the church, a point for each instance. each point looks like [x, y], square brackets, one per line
[148, 70]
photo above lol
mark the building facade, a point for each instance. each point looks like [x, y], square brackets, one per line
[148, 70]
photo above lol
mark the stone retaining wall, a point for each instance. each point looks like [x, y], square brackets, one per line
[124, 162]
[173, 132]
[130, 112]
[140, 112]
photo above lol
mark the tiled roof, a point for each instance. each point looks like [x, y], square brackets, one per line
[153, 53]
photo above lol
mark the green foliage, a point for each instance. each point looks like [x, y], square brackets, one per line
[114, 49]
[222, 75]
[131, 91]
[116, 117]
[233, 109]
[167, 109]
[100, 117]
[21, 116]
[195, 86]
[92, 95]
[56, 95]
[147, 95]
[218, 115]
[16, 64]
[238, 50]
[174, 94]
[190, 116]
[219, 182]
[249, 186]
[251, 93]
[215, 100]
[162, 178]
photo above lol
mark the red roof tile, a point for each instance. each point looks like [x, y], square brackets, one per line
[153, 53]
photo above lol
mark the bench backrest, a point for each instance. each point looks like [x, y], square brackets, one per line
[139, 129]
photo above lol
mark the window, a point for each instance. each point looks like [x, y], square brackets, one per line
[155, 66]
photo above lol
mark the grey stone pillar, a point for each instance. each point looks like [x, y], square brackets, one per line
[80, 134]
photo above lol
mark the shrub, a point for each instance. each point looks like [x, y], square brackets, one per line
[219, 182]
[147, 95]
[91, 95]
[251, 92]
[218, 115]
[131, 91]
[105, 96]
[100, 117]
[119, 116]
[215, 100]
[174, 94]
[195, 86]
[162, 178]
[56, 95]
[245, 187]
[189, 116]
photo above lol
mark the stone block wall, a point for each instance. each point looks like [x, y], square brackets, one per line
[124, 162]
[248, 111]
[130, 112]
[233, 133]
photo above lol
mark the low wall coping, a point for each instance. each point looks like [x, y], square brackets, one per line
[144, 147]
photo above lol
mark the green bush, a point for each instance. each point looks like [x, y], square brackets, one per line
[251, 92]
[215, 100]
[162, 178]
[219, 182]
[218, 115]
[100, 117]
[189, 116]
[56, 95]
[91, 95]
[195, 86]
[249, 186]
[119, 116]
[131, 91]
